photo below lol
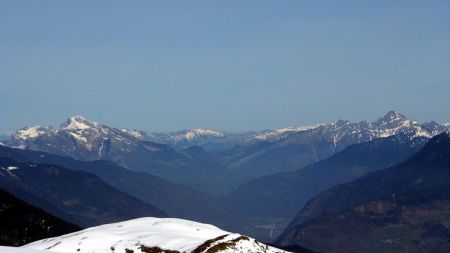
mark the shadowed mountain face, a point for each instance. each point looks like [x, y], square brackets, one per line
[79, 197]
[405, 208]
[249, 155]
[175, 200]
[22, 223]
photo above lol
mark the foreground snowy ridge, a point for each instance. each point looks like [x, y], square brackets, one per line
[152, 235]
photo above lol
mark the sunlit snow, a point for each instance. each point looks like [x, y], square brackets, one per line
[166, 233]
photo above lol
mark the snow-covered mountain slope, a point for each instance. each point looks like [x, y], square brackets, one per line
[152, 235]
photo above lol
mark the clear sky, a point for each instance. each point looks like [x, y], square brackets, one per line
[228, 65]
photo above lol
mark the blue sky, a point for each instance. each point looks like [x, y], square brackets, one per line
[229, 65]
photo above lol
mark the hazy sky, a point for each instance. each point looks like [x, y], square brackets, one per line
[229, 65]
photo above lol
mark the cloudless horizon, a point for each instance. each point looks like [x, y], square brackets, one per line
[230, 65]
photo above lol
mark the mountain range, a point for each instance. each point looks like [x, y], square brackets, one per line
[404, 208]
[215, 171]
[261, 156]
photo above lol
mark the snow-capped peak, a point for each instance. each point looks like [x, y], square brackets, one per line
[77, 122]
[77, 137]
[390, 118]
[393, 123]
[152, 235]
[73, 123]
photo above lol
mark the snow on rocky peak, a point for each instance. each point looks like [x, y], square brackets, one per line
[152, 235]
[77, 122]
[393, 123]
[30, 132]
[348, 132]
[77, 137]
[391, 118]
[73, 123]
